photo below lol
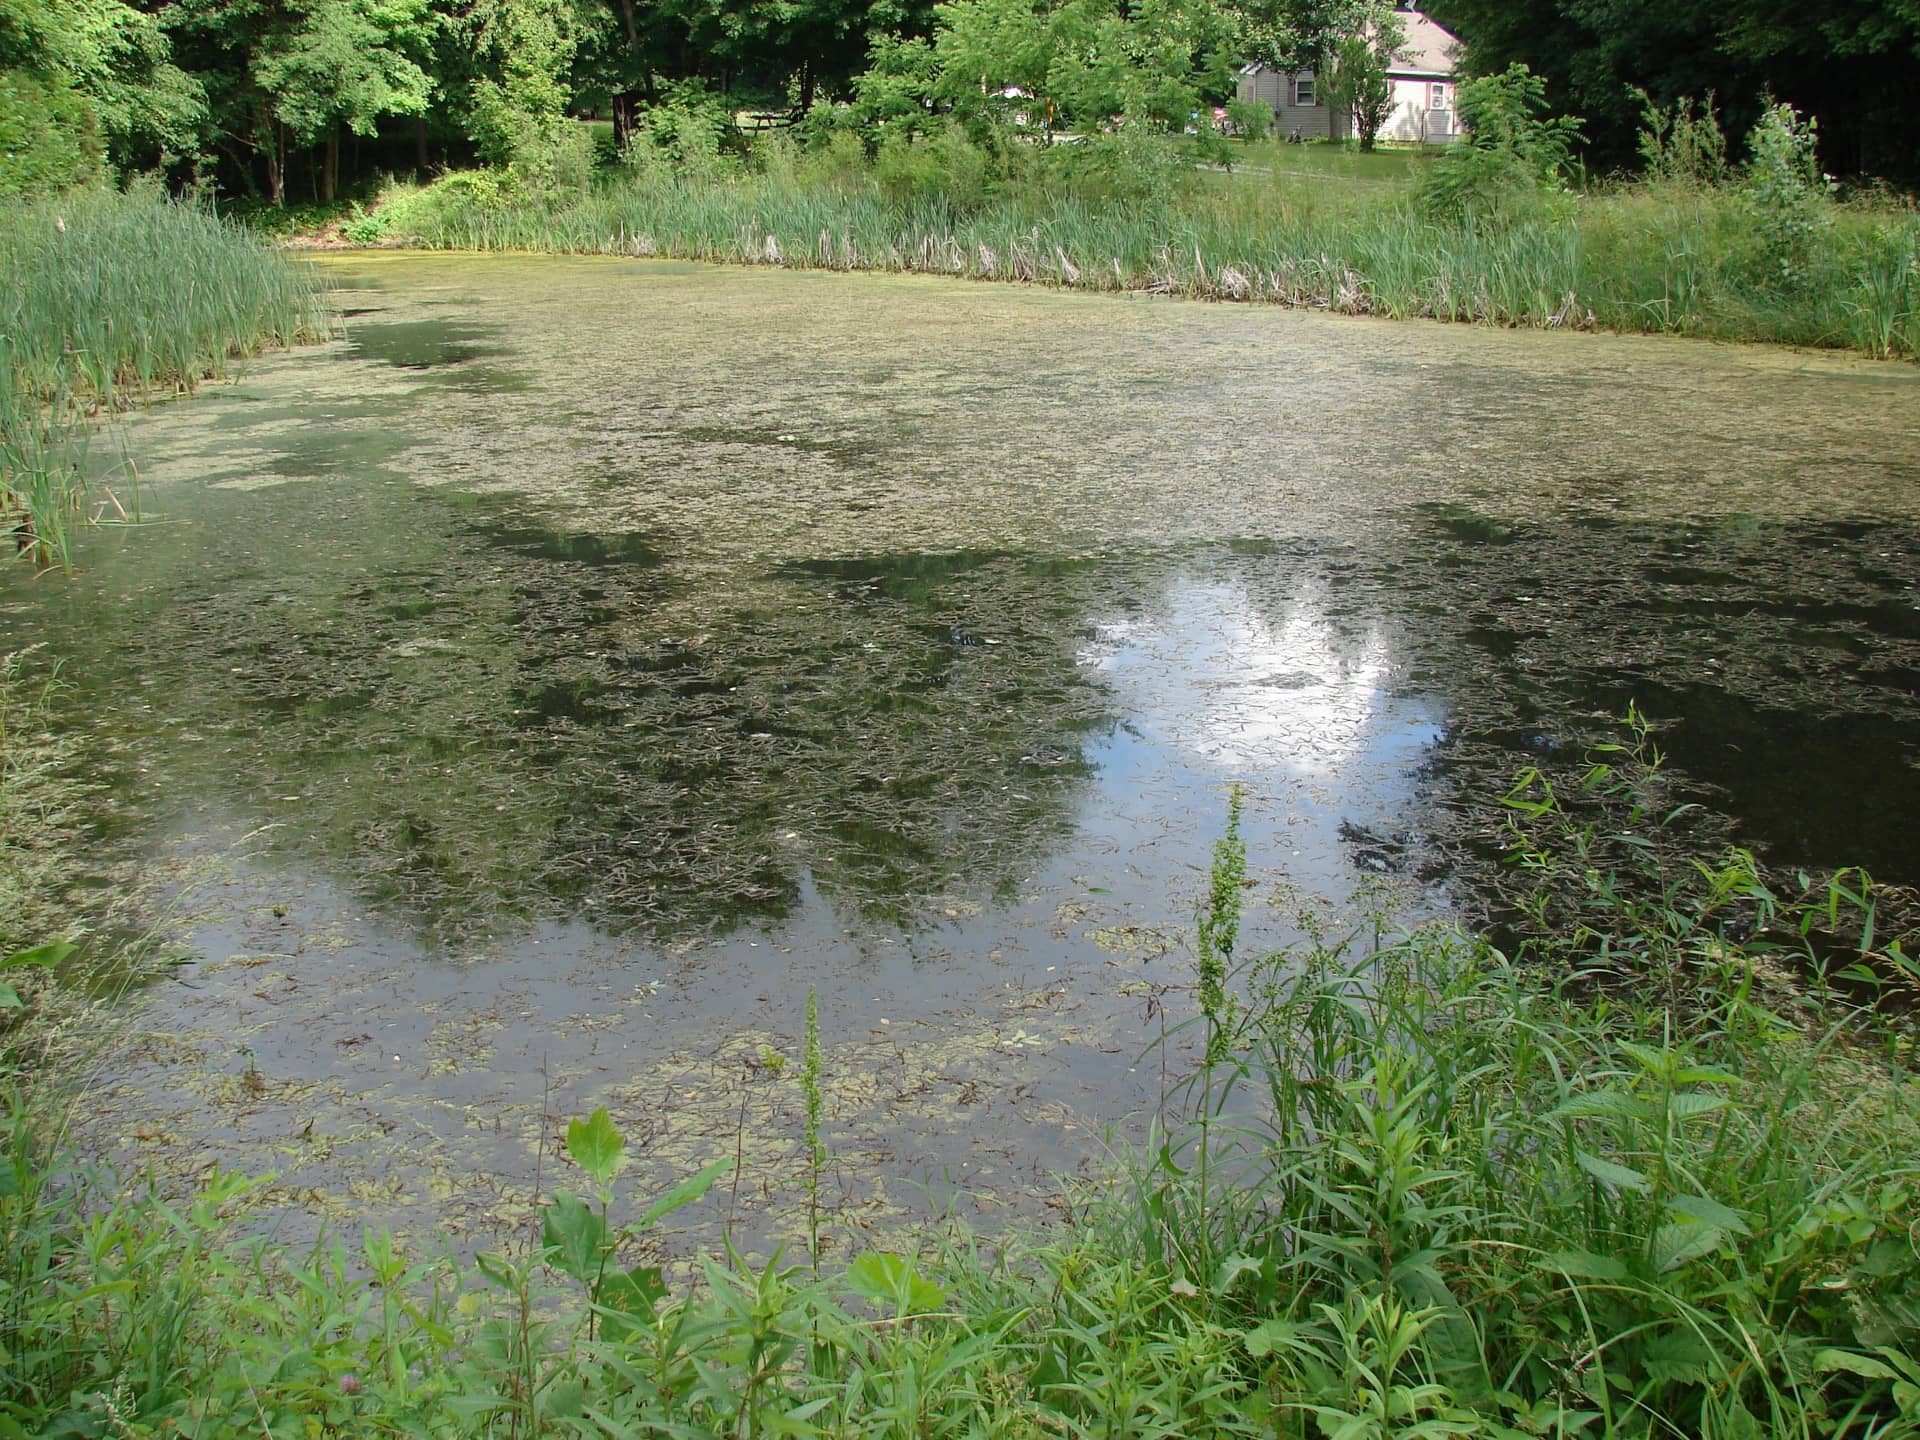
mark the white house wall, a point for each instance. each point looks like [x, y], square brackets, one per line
[1414, 118]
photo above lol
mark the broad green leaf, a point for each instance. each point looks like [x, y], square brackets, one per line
[890, 1279]
[1689, 1103]
[1605, 1104]
[563, 1398]
[1865, 1366]
[625, 1296]
[1700, 1075]
[1610, 1173]
[1230, 1271]
[573, 1236]
[1584, 1265]
[1269, 1336]
[9, 997]
[685, 1193]
[1681, 1241]
[52, 953]
[1679, 1357]
[1710, 1212]
[797, 1421]
[597, 1146]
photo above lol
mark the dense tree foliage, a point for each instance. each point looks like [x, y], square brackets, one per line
[1850, 63]
[289, 97]
[84, 83]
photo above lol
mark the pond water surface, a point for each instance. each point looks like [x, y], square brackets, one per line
[532, 694]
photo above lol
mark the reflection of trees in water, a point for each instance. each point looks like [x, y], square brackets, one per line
[1778, 664]
[485, 724]
[891, 729]
[516, 730]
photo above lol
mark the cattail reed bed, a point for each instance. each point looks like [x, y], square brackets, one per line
[1678, 259]
[114, 300]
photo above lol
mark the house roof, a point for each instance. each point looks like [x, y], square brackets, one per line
[1430, 47]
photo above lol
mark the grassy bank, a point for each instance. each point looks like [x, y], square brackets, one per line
[113, 300]
[1676, 257]
[1641, 1183]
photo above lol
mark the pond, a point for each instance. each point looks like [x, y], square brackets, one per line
[527, 698]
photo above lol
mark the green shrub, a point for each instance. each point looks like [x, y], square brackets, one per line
[1681, 144]
[1789, 197]
[1515, 149]
[49, 136]
[1249, 121]
[945, 168]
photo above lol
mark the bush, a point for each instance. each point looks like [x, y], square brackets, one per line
[1514, 151]
[1133, 164]
[946, 169]
[49, 135]
[1682, 145]
[1248, 120]
[690, 133]
[1789, 197]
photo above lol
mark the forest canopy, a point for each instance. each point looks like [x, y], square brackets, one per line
[298, 98]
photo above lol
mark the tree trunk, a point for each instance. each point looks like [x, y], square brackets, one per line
[243, 167]
[806, 87]
[330, 165]
[626, 106]
[276, 169]
[420, 141]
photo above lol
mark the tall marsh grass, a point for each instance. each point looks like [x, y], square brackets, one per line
[108, 301]
[1672, 257]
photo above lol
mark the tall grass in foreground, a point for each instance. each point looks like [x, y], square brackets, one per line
[1446, 1197]
[113, 300]
[1670, 258]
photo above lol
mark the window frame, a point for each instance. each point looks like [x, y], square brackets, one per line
[1439, 95]
[1312, 84]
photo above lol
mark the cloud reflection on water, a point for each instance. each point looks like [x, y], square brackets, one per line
[1249, 686]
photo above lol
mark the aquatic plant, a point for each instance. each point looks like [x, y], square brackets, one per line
[816, 1145]
[114, 300]
[1218, 929]
[1473, 1203]
[1662, 257]
[1454, 1193]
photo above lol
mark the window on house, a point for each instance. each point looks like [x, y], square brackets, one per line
[1303, 90]
[1437, 96]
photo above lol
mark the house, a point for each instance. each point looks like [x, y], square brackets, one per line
[1422, 75]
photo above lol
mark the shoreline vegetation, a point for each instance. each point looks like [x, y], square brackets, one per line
[111, 300]
[1653, 1173]
[1763, 253]
[1647, 1168]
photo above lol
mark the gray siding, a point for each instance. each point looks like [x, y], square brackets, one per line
[1275, 91]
